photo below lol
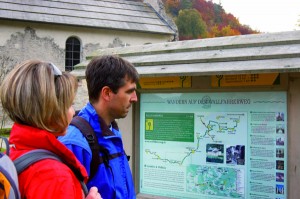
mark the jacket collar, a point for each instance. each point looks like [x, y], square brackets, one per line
[26, 138]
[105, 130]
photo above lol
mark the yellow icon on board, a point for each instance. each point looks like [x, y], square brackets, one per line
[149, 125]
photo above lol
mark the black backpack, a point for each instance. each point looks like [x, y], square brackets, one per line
[88, 132]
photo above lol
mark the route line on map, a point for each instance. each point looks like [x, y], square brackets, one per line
[209, 127]
[221, 128]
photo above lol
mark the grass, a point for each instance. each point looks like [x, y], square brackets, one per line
[5, 132]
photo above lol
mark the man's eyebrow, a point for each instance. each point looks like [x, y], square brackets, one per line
[131, 90]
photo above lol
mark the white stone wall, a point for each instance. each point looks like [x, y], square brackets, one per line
[20, 41]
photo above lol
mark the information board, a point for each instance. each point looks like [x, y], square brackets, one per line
[214, 145]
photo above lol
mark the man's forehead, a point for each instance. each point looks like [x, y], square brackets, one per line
[128, 83]
[129, 79]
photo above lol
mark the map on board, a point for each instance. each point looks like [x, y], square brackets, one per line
[193, 141]
[219, 181]
[211, 129]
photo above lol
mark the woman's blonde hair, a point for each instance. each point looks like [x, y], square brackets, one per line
[34, 94]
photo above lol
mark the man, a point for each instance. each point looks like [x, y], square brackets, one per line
[111, 83]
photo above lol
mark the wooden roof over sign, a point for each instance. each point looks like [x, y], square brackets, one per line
[245, 54]
[109, 14]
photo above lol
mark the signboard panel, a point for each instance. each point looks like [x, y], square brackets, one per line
[214, 145]
[266, 79]
[165, 82]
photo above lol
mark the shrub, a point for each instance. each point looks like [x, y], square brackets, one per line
[5, 132]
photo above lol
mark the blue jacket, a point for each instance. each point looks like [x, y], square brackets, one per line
[114, 181]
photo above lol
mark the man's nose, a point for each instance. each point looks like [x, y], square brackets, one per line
[133, 97]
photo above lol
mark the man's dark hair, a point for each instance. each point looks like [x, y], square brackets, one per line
[108, 70]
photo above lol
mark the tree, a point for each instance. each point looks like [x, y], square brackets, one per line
[190, 24]
[206, 10]
[228, 31]
[173, 6]
[214, 32]
[186, 4]
[214, 21]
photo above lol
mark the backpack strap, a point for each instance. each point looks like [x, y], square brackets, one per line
[31, 157]
[88, 132]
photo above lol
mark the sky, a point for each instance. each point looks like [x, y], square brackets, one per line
[265, 15]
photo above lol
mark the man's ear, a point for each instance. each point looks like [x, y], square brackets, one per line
[106, 93]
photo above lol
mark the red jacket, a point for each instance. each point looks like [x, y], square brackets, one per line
[47, 179]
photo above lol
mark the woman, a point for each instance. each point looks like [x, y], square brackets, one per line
[38, 97]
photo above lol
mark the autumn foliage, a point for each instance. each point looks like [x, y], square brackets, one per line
[197, 19]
